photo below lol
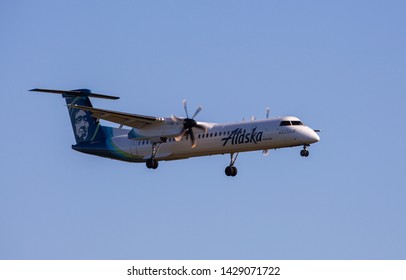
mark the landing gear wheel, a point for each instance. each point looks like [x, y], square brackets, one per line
[231, 171]
[234, 171]
[152, 163]
[304, 153]
[228, 171]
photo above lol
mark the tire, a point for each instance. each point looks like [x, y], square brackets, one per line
[234, 171]
[149, 163]
[228, 171]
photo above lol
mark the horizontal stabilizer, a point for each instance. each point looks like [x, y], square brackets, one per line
[76, 92]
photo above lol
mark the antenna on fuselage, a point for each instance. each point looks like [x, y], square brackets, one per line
[267, 110]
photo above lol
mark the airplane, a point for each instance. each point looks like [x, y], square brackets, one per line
[152, 139]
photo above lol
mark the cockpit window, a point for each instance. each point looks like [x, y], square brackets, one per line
[288, 123]
[297, 123]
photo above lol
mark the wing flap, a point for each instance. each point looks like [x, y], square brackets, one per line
[131, 120]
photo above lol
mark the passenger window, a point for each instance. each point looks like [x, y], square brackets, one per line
[285, 123]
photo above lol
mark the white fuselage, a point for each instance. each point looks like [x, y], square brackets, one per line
[224, 139]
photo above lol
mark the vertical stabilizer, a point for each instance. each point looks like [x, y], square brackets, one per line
[85, 127]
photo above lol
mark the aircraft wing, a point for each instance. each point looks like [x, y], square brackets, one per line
[131, 120]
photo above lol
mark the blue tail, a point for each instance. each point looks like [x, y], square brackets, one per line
[85, 127]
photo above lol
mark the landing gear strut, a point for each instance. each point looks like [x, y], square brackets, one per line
[231, 170]
[304, 152]
[152, 162]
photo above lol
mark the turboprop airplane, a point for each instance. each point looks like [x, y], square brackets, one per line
[153, 139]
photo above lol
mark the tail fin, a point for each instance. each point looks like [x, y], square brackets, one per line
[85, 127]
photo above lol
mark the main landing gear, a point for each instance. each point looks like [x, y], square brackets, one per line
[231, 170]
[304, 152]
[152, 163]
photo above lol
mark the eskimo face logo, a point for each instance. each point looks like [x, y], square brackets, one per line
[81, 125]
[238, 136]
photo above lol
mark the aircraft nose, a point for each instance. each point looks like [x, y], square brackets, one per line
[314, 136]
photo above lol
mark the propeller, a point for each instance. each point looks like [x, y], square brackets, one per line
[189, 124]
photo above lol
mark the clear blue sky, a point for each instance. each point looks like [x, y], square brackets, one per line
[339, 66]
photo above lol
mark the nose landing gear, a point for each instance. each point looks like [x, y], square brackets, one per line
[304, 152]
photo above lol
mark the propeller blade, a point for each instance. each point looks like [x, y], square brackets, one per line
[176, 119]
[180, 136]
[189, 124]
[192, 138]
[203, 126]
[185, 107]
[197, 111]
